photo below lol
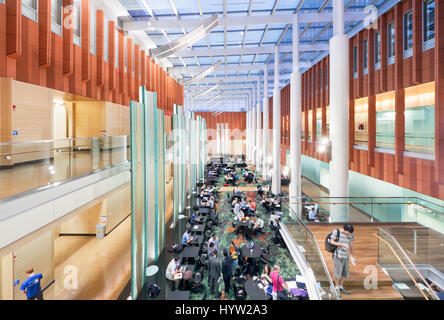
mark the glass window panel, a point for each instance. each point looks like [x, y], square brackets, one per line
[29, 9]
[420, 118]
[361, 120]
[355, 59]
[310, 124]
[377, 47]
[408, 31]
[77, 19]
[391, 39]
[92, 29]
[318, 123]
[56, 12]
[385, 120]
[365, 52]
[303, 125]
[429, 20]
[327, 120]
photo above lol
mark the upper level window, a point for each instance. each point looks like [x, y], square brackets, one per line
[29, 9]
[92, 29]
[315, 82]
[391, 42]
[355, 62]
[326, 78]
[106, 39]
[116, 45]
[56, 16]
[408, 34]
[77, 21]
[377, 50]
[365, 57]
[429, 24]
[320, 80]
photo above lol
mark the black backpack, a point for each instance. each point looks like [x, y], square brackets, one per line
[328, 246]
[153, 290]
[177, 248]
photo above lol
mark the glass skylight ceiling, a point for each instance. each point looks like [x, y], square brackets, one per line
[246, 36]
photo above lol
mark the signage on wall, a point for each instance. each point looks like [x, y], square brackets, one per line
[103, 220]
[15, 133]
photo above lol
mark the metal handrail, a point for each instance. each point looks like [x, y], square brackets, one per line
[57, 140]
[415, 200]
[330, 280]
[431, 292]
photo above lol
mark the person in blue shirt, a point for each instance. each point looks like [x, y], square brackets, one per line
[194, 217]
[186, 238]
[31, 286]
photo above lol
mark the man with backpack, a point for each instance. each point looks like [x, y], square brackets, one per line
[338, 242]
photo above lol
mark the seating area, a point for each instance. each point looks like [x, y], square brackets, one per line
[245, 224]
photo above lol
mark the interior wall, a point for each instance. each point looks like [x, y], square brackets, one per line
[115, 208]
[117, 119]
[7, 277]
[85, 222]
[118, 207]
[37, 254]
[89, 119]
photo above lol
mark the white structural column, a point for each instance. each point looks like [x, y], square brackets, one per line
[246, 132]
[265, 152]
[218, 138]
[258, 130]
[339, 88]
[227, 140]
[253, 129]
[276, 182]
[295, 125]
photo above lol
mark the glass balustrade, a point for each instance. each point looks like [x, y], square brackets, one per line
[308, 246]
[394, 258]
[29, 165]
[374, 209]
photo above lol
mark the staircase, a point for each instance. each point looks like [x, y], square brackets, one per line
[365, 249]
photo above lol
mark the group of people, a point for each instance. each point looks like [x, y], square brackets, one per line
[231, 176]
[249, 175]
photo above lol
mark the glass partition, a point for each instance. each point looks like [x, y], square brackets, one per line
[409, 277]
[147, 198]
[375, 209]
[50, 161]
[361, 120]
[420, 118]
[310, 124]
[308, 246]
[138, 217]
[385, 120]
[303, 125]
[318, 123]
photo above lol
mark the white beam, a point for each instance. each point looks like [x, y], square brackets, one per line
[238, 21]
[214, 80]
[234, 68]
[315, 47]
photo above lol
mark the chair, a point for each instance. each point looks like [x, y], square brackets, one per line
[197, 285]
[265, 255]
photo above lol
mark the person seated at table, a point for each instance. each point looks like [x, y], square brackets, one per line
[240, 215]
[214, 239]
[210, 203]
[233, 203]
[194, 217]
[312, 214]
[252, 205]
[266, 274]
[237, 208]
[172, 270]
[258, 225]
[274, 220]
[260, 191]
[236, 192]
[187, 238]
